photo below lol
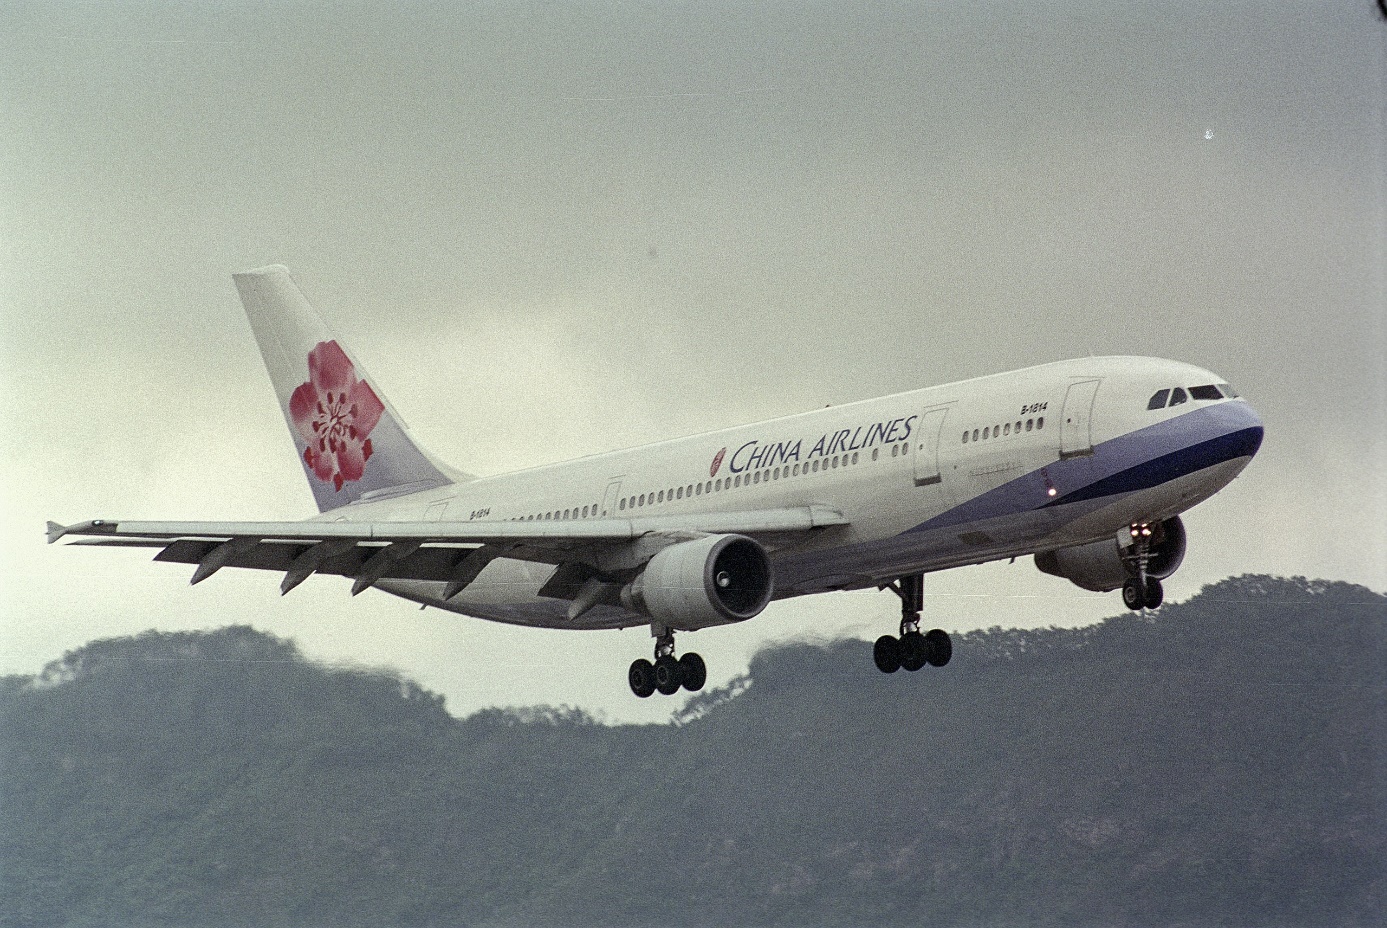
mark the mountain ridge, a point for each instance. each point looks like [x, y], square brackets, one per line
[1218, 762]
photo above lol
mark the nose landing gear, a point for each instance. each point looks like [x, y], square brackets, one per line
[1143, 591]
[912, 650]
[668, 673]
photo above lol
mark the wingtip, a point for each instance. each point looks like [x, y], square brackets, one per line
[93, 527]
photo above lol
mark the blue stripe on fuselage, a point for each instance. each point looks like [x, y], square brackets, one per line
[1137, 460]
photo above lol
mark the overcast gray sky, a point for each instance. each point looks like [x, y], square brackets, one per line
[554, 229]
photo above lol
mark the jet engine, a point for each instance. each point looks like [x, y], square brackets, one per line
[1105, 565]
[709, 581]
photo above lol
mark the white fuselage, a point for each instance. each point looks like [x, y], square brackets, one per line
[1071, 455]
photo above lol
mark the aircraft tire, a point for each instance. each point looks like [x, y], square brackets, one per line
[1155, 593]
[693, 672]
[939, 647]
[668, 675]
[642, 677]
[886, 653]
[914, 651]
[1132, 596]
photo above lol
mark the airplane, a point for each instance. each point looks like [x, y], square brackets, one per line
[1083, 464]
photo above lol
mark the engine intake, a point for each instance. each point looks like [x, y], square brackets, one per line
[709, 581]
[1105, 565]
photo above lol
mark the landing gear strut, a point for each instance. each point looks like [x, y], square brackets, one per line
[667, 673]
[1143, 591]
[912, 650]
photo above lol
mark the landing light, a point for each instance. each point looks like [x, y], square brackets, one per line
[1052, 492]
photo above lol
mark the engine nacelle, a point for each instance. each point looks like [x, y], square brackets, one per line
[1105, 565]
[709, 581]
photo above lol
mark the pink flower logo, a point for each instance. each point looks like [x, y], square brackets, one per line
[717, 462]
[334, 412]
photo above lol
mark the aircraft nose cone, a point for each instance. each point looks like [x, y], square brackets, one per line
[1244, 436]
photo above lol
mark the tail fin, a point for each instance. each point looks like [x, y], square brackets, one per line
[351, 443]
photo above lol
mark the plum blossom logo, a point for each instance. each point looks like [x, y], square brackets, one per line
[334, 413]
[717, 462]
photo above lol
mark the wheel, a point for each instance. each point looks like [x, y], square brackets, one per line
[1155, 593]
[1131, 595]
[887, 654]
[939, 647]
[667, 675]
[642, 677]
[913, 651]
[693, 671]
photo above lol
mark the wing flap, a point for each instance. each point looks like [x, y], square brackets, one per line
[422, 564]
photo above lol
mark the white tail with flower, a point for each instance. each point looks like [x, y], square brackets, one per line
[350, 442]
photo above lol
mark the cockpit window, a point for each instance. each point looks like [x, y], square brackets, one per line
[1207, 392]
[1158, 399]
[1177, 396]
[1228, 390]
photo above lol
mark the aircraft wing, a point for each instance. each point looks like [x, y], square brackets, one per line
[456, 552]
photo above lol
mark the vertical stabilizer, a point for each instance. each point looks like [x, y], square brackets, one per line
[350, 441]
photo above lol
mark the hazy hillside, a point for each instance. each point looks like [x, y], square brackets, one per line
[1221, 763]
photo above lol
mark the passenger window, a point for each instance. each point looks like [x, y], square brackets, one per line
[1206, 392]
[1018, 428]
[1030, 424]
[1006, 429]
[1040, 422]
[854, 457]
[975, 434]
[1158, 399]
[737, 480]
[816, 467]
[986, 432]
[1177, 396]
[895, 451]
[622, 505]
[875, 452]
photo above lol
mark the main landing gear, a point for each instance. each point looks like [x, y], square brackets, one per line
[1143, 591]
[668, 673]
[912, 650]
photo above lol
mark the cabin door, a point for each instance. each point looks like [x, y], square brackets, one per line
[1076, 423]
[609, 502]
[927, 438]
